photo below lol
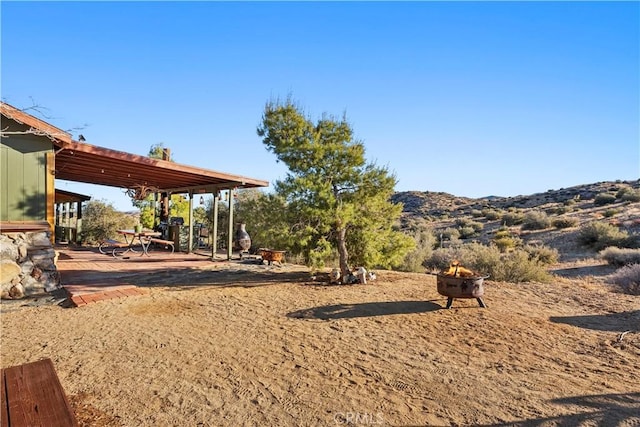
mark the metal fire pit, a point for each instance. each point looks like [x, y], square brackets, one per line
[461, 287]
[272, 256]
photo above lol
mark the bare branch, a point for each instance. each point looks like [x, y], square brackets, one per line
[31, 131]
[39, 110]
[141, 192]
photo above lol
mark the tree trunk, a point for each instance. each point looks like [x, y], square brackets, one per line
[344, 255]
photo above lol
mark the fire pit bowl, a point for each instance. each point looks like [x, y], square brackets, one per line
[460, 287]
[459, 282]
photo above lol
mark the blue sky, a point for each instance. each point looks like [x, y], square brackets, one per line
[469, 98]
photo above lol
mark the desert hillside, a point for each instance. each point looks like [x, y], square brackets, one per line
[576, 205]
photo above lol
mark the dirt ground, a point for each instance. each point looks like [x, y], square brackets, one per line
[251, 345]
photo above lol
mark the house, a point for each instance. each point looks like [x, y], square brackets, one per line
[35, 153]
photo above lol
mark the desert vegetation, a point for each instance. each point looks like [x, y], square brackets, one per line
[627, 279]
[620, 256]
[101, 220]
[512, 239]
[526, 238]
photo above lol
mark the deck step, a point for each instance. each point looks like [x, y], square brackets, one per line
[33, 396]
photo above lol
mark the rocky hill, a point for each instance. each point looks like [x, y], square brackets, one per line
[602, 201]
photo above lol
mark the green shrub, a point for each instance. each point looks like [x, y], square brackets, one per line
[463, 222]
[449, 233]
[565, 222]
[512, 218]
[492, 214]
[101, 221]
[468, 228]
[504, 240]
[476, 213]
[482, 258]
[543, 254]
[441, 258]
[628, 194]
[504, 244]
[515, 266]
[599, 235]
[627, 279]
[467, 232]
[620, 256]
[425, 242]
[477, 226]
[610, 212]
[535, 220]
[604, 199]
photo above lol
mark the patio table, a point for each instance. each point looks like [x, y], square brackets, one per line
[143, 237]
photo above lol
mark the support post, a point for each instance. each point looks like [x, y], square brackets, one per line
[214, 232]
[78, 220]
[190, 223]
[230, 231]
[67, 220]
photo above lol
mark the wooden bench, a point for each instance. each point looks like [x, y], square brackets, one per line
[163, 242]
[33, 396]
[113, 246]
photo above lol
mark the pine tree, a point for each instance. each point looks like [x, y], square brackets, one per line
[340, 202]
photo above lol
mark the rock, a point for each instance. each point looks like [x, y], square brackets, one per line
[8, 249]
[52, 281]
[361, 274]
[334, 276]
[27, 265]
[16, 292]
[43, 258]
[36, 273]
[40, 240]
[31, 286]
[23, 251]
[9, 270]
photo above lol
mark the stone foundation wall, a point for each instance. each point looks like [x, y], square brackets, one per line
[27, 265]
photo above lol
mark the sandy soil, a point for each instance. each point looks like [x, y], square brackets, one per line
[265, 346]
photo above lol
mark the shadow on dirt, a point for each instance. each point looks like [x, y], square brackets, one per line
[612, 322]
[590, 270]
[369, 309]
[594, 410]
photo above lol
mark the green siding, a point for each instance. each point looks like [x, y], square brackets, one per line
[23, 189]
[4, 182]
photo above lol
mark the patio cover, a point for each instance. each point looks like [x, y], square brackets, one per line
[81, 162]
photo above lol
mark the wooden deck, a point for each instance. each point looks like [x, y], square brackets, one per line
[32, 396]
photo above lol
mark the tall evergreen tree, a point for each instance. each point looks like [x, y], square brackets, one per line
[339, 201]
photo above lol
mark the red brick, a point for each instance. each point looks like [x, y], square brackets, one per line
[78, 301]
